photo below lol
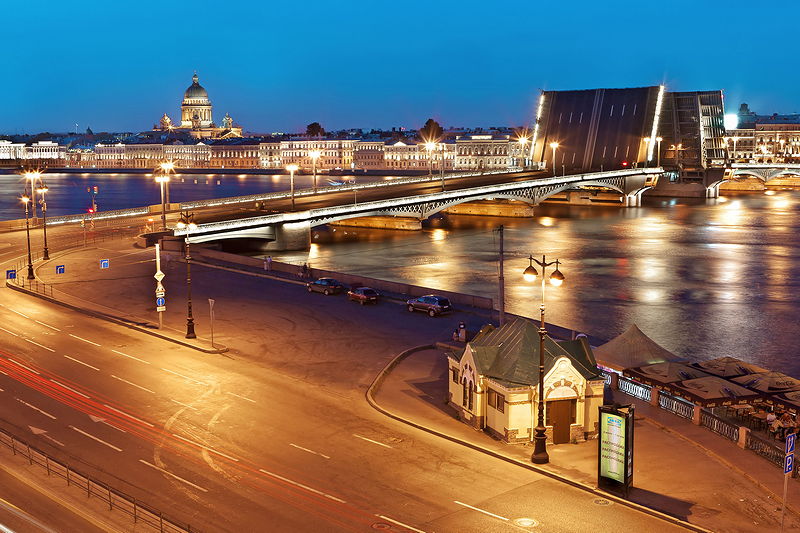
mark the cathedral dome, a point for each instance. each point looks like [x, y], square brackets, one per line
[195, 90]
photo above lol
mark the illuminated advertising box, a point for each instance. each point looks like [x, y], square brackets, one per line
[615, 448]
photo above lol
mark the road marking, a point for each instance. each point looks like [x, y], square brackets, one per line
[129, 416]
[69, 388]
[309, 451]
[184, 377]
[207, 448]
[81, 362]
[13, 311]
[84, 340]
[103, 421]
[45, 413]
[9, 332]
[242, 397]
[132, 384]
[48, 437]
[184, 405]
[481, 510]
[399, 523]
[372, 441]
[23, 366]
[296, 484]
[198, 487]
[101, 441]
[4, 373]
[47, 325]
[131, 357]
[40, 345]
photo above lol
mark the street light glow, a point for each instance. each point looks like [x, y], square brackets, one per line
[25, 199]
[430, 146]
[292, 167]
[314, 154]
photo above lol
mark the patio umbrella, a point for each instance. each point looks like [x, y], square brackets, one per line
[662, 373]
[789, 401]
[711, 391]
[632, 349]
[728, 367]
[769, 382]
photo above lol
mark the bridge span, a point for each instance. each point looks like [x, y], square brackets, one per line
[290, 230]
[762, 171]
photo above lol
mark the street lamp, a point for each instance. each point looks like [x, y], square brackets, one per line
[162, 179]
[429, 146]
[556, 279]
[167, 167]
[314, 155]
[42, 190]
[292, 169]
[554, 146]
[26, 200]
[441, 169]
[658, 155]
[187, 222]
[523, 141]
[647, 141]
[33, 176]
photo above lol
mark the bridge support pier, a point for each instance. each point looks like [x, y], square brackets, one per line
[634, 199]
[291, 236]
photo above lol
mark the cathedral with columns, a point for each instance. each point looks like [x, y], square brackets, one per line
[196, 117]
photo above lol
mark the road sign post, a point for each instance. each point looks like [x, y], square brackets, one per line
[161, 302]
[788, 468]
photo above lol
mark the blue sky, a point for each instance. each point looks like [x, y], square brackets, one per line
[276, 66]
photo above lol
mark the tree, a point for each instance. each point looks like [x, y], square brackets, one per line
[431, 131]
[315, 130]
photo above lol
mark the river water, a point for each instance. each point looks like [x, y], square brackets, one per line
[703, 278]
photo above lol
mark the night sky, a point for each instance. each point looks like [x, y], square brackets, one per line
[276, 66]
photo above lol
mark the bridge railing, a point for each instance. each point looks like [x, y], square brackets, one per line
[117, 213]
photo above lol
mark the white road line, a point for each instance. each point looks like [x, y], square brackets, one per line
[309, 451]
[81, 362]
[242, 397]
[184, 405]
[101, 441]
[132, 384]
[184, 377]
[45, 413]
[9, 332]
[69, 388]
[296, 484]
[14, 311]
[4, 373]
[47, 325]
[173, 475]
[48, 437]
[207, 448]
[372, 441]
[131, 357]
[481, 510]
[399, 523]
[84, 340]
[23, 366]
[129, 416]
[40, 345]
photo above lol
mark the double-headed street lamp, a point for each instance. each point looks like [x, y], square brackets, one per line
[314, 155]
[187, 222]
[292, 169]
[33, 176]
[42, 191]
[26, 200]
[556, 278]
[430, 146]
[162, 180]
[554, 147]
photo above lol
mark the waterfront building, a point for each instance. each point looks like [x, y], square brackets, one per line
[493, 384]
[47, 153]
[269, 155]
[407, 154]
[10, 151]
[334, 154]
[369, 155]
[482, 152]
[235, 153]
[80, 158]
[121, 155]
[188, 155]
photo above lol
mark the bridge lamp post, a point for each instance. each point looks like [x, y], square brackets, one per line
[554, 147]
[187, 222]
[163, 179]
[167, 168]
[42, 191]
[26, 200]
[314, 155]
[658, 154]
[292, 169]
[523, 141]
[530, 274]
[441, 169]
[430, 146]
[647, 141]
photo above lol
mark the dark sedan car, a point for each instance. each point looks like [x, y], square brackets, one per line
[363, 295]
[326, 286]
[431, 304]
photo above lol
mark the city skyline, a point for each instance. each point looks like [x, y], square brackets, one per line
[340, 68]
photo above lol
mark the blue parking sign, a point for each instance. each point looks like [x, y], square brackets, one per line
[788, 464]
[11, 274]
[790, 439]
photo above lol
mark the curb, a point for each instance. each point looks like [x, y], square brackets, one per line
[714, 455]
[586, 488]
[115, 320]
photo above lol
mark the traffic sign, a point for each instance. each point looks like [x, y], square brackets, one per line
[161, 302]
[160, 294]
[161, 309]
[60, 269]
[11, 274]
[790, 439]
[104, 263]
[788, 464]
[159, 276]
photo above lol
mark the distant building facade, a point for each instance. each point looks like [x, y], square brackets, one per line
[483, 152]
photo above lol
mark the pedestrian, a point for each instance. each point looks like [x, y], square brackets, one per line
[455, 335]
[269, 263]
[305, 271]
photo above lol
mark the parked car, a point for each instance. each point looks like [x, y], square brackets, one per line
[363, 295]
[325, 285]
[431, 304]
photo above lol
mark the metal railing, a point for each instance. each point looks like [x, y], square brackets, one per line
[765, 449]
[676, 405]
[631, 388]
[116, 500]
[719, 426]
[117, 213]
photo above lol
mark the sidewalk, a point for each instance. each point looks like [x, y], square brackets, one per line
[681, 470]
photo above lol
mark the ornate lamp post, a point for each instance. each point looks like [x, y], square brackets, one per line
[523, 141]
[647, 141]
[556, 278]
[658, 154]
[187, 222]
[554, 147]
[168, 168]
[430, 146]
[162, 179]
[314, 155]
[26, 200]
[42, 191]
[292, 169]
[33, 176]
